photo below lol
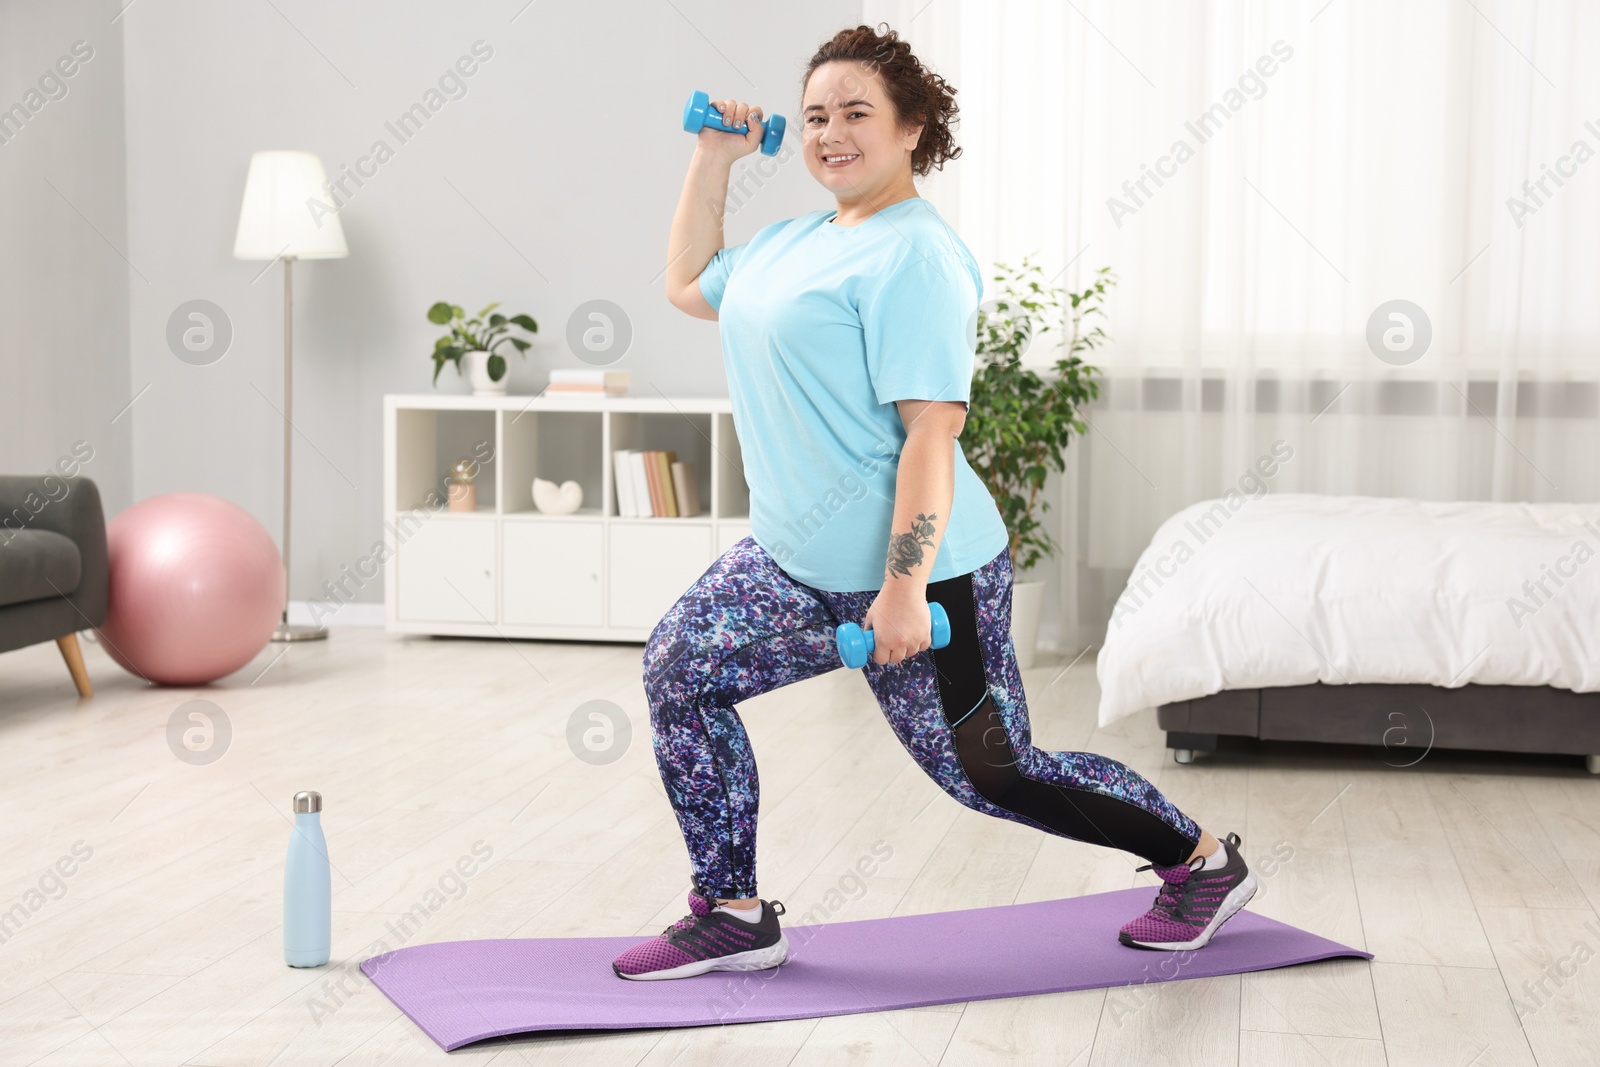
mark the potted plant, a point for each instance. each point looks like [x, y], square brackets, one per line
[1019, 424]
[476, 339]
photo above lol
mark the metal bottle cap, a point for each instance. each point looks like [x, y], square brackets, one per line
[306, 801]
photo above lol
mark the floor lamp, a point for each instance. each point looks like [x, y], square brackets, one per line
[283, 217]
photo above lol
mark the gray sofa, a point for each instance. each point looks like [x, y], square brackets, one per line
[54, 576]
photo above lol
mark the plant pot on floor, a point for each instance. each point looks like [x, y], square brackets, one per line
[477, 364]
[1027, 598]
[1019, 423]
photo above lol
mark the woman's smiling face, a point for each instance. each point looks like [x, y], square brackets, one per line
[852, 142]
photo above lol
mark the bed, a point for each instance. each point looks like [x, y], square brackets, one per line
[1403, 624]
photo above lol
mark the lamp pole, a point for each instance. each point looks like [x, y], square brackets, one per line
[274, 224]
[286, 632]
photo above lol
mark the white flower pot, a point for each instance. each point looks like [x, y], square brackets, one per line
[477, 364]
[1027, 598]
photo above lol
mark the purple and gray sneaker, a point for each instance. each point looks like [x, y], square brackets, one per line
[707, 940]
[1193, 903]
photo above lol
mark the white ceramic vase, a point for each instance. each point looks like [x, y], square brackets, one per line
[477, 363]
[1027, 598]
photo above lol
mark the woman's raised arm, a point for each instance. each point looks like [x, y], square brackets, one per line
[697, 224]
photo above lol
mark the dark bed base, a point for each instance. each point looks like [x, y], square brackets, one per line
[1406, 721]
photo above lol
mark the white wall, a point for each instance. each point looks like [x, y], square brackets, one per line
[63, 236]
[566, 160]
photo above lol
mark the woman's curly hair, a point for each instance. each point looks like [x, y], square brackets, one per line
[920, 96]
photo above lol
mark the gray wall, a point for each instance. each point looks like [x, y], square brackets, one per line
[566, 160]
[63, 235]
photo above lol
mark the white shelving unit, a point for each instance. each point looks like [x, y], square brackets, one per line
[508, 570]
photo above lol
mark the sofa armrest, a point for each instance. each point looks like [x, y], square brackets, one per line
[70, 507]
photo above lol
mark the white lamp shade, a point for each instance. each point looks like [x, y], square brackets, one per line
[278, 217]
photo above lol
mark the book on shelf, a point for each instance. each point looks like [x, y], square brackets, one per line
[652, 483]
[687, 489]
[663, 474]
[641, 485]
[627, 503]
[588, 381]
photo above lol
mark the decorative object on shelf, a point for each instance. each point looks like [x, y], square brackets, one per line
[475, 340]
[274, 224]
[654, 484]
[553, 499]
[1018, 424]
[588, 381]
[460, 488]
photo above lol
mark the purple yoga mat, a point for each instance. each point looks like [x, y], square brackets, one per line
[464, 991]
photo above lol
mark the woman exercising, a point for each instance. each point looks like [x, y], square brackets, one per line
[844, 334]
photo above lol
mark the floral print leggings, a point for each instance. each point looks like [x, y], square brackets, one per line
[746, 627]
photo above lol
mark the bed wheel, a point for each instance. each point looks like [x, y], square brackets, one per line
[1184, 744]
[1593, 763]
[1186, 755]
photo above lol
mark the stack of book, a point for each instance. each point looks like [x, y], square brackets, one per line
[587, 381]
[654, 484]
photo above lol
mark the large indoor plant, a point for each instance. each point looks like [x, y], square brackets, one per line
[1019, 424]
[475, 340]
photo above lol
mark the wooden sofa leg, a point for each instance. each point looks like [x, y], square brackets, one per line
[74, 657]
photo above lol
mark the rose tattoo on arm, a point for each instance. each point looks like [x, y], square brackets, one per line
[905, 550]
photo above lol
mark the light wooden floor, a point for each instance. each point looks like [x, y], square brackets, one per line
[1471, 879]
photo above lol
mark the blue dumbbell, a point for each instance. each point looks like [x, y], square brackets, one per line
[855, 644]
[699, 114]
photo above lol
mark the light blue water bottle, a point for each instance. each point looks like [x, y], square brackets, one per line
[307, 888]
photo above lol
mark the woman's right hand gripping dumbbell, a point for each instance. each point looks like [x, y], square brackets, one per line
[718, 143]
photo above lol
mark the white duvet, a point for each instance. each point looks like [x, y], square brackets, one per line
[1290, 589]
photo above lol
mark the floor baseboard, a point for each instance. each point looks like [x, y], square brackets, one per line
[351, 614]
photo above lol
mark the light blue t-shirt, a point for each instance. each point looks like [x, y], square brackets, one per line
[823, 328]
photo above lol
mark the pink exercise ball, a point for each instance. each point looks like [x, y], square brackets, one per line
[197, 587]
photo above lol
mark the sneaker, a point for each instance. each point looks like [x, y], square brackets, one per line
[707, 940]
[1194, 903]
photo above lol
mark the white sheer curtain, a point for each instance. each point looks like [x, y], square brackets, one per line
[1263, 178]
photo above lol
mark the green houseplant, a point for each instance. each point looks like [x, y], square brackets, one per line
[1019, 423]
[476, 340]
